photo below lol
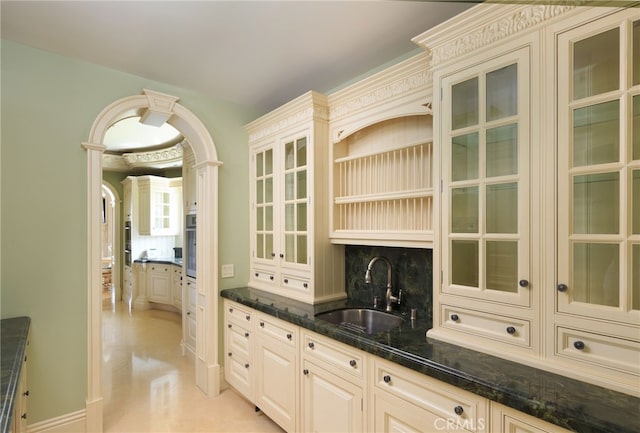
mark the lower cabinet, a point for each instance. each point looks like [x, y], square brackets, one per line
[176, 287]
[19, 417]
[308, 382]
[159, 284]
[189, 316]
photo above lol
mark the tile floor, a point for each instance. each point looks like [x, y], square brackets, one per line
[148, 386]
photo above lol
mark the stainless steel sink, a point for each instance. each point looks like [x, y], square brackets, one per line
[361, 320]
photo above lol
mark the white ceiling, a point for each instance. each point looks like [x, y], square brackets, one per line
[258, 54]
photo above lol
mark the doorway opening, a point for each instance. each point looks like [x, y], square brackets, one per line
[155, 105]
[110, 271]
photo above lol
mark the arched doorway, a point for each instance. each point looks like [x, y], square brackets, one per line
[110, 244]
[161, 107]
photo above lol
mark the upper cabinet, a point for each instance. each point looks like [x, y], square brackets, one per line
[189, 180]
[290, 250]
[537, 213]
[381, 158]
[159, 205]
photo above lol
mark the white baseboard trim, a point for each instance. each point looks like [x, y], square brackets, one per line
[75, 422]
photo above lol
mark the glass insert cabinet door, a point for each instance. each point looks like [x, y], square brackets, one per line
[599, 172]
[485, 172]
[263, 205]
[295, 201]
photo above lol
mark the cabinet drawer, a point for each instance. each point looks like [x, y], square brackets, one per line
[296, 283]
[237, 313]
[452, 404]
[615, 353]
[238, 339]
[338, 355]
[502, 328]
[277, 329]
[262, 276]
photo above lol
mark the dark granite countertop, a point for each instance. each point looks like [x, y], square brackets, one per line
[163, 260]
[569, 403]
[14, 334]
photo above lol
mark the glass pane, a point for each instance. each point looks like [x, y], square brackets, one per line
[596, 64]
[502, 266]
[289, 217]
[302, 217]
[635, 277]
[502, 208]
[268, 162]
[268, 246]
[464, 210]
[464, 104]
[502, 92]
[596, 134]
[260, 218]
[464, 157]
[259, 164]
[289, 248]
[289, 186]
[268, 218]
[289, 155]
[636, 128]
[596, 203]
[596, 270]
[301, 184]
[464, 263]
[636, 52]
[502, 150]
[268, 190]
[301, 160]
[260, 246]
[260, 192]
[635, 203]
[302, 249]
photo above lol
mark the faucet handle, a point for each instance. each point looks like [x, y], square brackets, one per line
[399, 299]
[377, 301]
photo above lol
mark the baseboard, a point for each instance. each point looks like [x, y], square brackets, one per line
[75, 422]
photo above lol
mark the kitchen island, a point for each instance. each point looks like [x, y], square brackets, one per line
[14, 338]
[571, 404]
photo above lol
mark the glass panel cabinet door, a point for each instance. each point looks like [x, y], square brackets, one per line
[598, 172]
[295, 201]
[263, 207]
[485, 198]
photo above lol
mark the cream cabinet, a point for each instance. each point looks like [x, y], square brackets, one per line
[189, 180]
[19, 416]
[176, 286]
[332, 386]
[290, 250]
[189, 325]
[277, 370]
[403, 400]
[239, 348]
[507, 420]
[538, 214]
[159, 206]
[159, 283]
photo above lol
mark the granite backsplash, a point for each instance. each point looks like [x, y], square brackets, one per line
[412, 272]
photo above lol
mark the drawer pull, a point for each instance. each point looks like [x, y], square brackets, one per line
[579, 345]
[305, 285]
[311, 345]
[455, 317]
[511, 330]
[562, 287]
[256, 275]
[281, 256]
[305, 372]
[247, 317]
[523, 283]
[387, 378]
[458, 410]
[229, 354]
[23, 416]
[246, 334]
[286, 281]
[271, 277]
[289, 336]
[353, 363]
[26, 393]
[230, 309]
[262, 324]
[229, 326]
[246, 366]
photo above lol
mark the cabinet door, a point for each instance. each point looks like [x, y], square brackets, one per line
[159, 284]
[598, 273]
[507, 420]
[485, 174]
[263, 206]
[294, 246]
[330, 403]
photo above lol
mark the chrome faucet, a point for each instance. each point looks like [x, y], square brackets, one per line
[390, 298]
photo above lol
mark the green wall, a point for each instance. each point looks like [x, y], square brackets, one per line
[48, 104]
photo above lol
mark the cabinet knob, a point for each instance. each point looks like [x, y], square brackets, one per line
[523, 283]
[230, 309]
[189, 314]
[271, 277]
[311, 345]
[23, 416]
[579, 345]
[273, 254]
[228, 326]
[246, 366]
[262, 324]
[455, 317]
[387, 378]
[246, 334]
[26, 393]
[305, 372]
[353, 363]
[562, 287]
[305, 285]
[289, 336]
[286, 281]
[511, 330]
[256, 275]
[229, 354]
[458, 410]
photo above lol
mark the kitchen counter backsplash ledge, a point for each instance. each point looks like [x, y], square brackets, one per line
[569, 403]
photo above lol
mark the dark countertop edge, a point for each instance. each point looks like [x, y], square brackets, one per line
[165, 261]
[546, 410]
[14, 335]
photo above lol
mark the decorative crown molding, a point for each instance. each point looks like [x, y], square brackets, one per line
[161, 158]
[315, 112]
[492, 32]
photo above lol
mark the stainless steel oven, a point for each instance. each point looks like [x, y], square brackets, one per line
[127, 243]
[190, 245]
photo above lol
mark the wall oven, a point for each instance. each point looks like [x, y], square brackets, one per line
[127, 243]
[190, 245]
